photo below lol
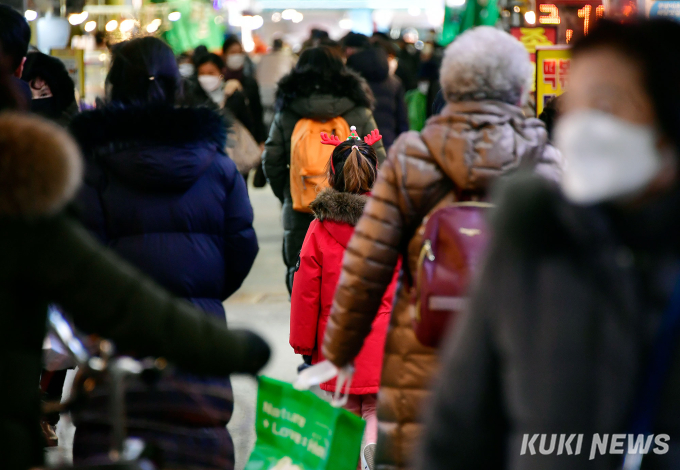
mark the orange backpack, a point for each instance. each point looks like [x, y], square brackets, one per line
[309, 157]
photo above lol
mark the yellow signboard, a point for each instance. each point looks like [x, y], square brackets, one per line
[73, 59]
[552, 73]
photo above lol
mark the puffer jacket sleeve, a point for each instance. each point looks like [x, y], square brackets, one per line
[89, 202]
[240, 241]
[409, 181]
[107, 296]
[275, 158]
[305, 302]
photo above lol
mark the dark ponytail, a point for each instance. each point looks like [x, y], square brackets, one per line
[353, 167]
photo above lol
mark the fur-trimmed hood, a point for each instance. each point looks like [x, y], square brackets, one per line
[155, 147]
[40, 166]
[313, 94]
[339, 207]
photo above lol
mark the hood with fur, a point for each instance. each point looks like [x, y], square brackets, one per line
[316, 95]
[371, 63]
[155, 147]
[40, 166]
[339, 207]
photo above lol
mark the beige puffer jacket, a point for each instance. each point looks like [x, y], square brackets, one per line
[466, 147]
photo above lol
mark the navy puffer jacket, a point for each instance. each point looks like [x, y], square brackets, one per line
[160, 191]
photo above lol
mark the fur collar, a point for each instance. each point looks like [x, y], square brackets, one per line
[125, 125]
[347, 84]
[339, 207]
[40, 166]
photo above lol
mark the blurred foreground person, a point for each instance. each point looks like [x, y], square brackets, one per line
[320, 88]
[48, 257]
[480, 135]
[162, 193]
[53, 90]
[15, 36]
[573, 329]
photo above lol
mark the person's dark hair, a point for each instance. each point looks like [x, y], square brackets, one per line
[322, 59]
[353, 167]
[650, 43]
[277, 44]
[551, 113]
[209, 58]
[317, 33]
[230, 41]
[143, 71]
[54, 72]
[15, 35]
[356, 40]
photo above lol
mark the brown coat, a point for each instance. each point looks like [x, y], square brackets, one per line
[464, 148]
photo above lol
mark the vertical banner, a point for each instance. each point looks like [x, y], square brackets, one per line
[552, 73]
[532, 38]
[74, 61]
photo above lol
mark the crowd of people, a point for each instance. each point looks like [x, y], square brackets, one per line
[134, 219]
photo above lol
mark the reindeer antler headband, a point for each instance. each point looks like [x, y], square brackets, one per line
[334, 140]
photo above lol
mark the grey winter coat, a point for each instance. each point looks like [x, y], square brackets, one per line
[310, 95]
[558, 337]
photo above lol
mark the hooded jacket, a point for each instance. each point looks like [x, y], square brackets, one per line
[161, 192]
[390, 108]
[47, 257]
[315, 281]
[312, 95]
[464, 149]
[559, 337]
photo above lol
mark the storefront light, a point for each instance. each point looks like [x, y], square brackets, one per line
[30, 15]
[414, 11]
[174, 16]
[530, 17]
[154, 25]
[256, 22]
[455, 3]
[77, 18]
[111, 26]
[345, 23]
[90, 26]
[127, 25]
[298, 17]
[276, 17]
[288, 14]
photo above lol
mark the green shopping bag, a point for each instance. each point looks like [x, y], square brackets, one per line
[416, 108]
[296, 430]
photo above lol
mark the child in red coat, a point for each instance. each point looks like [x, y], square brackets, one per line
[351, 173]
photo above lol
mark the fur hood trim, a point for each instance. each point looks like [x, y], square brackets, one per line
[339, 207]
[116, 124]
[347, 84]
[40, 166]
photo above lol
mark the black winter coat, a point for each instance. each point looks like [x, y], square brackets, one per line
[390, 108]
[47, 257]
[317, 96]
[559, 336]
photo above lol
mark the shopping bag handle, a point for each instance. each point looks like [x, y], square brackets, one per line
[323, 372]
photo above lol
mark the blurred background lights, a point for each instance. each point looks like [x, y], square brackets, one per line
[154, 25]
[297, 17]
[127, 25]
[77, 18]
[30, 15]
[414, 11]
[90, 26]
[345, 23]
[455, 3]
[276, 17]
[219, 19]
[111, 26]
[288, 14]
[256, 22]
[174, 16]
[530, 17]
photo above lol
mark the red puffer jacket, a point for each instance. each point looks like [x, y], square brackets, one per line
[317, 275]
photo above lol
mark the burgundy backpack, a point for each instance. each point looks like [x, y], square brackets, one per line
[454, 243]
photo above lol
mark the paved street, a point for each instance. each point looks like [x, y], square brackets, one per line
[261, 305]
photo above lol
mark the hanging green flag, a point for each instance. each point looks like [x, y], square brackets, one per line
[196, 26]
[474, 13]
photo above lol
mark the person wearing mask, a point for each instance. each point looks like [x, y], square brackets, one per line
[15, 36]
[572, 326]
[47, 257]
[320, 87]
[390, 112]
[52, 88]
[480, 136]
[161, 192]
[236, 60]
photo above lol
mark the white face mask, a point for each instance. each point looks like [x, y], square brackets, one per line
[393, 64]
[186, 70]
[236, 61]
[605, 157]
[210, 82]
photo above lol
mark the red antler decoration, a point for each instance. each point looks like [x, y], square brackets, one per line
[330, 139]
[373, 137]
